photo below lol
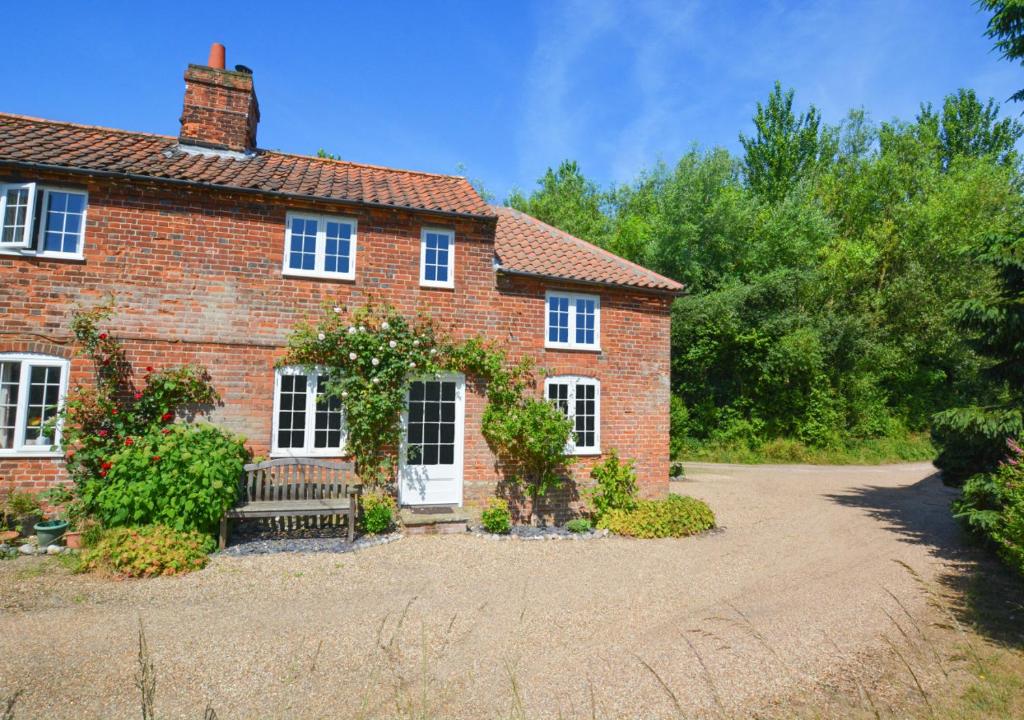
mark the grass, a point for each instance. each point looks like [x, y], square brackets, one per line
[875, 451]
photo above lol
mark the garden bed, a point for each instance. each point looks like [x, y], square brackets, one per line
[544, 532]
[255, 538]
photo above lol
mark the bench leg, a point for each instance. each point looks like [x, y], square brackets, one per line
[351, 522]
[223, 532]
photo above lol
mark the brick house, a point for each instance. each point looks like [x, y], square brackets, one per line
[216, 249]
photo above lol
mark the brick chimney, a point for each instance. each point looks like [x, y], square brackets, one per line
[221, 110]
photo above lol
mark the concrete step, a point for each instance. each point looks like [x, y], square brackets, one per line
[434, 519]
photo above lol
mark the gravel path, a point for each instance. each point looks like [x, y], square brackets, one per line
[479, 629]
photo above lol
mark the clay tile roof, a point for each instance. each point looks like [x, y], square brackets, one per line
[83, 148]
[528, 246]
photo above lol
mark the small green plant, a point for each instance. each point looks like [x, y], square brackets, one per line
[992, 507]
[378, 512]
[579, 525]
[676, 516]
[183, 476]
[149, 551]
[72, 509]
[614, 485]
[496, 517]
[22, 503]
[676, 470]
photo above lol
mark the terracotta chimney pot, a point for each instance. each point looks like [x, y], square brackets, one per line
[216, 56]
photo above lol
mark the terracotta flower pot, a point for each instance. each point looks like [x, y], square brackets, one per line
[7, 535]
[73, 539]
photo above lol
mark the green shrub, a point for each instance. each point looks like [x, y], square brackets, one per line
[676, 470]
[579, 525]
[615, 485]
[183, 476]
[19, 504]
[378, 512]
[496, 518]
[992, 507]
[676, 516]
[148, 551]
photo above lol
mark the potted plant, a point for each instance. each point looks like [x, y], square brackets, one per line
[49, 532]
[72, 515]
[25, 508]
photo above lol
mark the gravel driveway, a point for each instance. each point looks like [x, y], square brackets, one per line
[791, 591]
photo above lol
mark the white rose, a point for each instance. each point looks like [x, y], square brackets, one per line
[392, 344]
[362, 328]
[344, 393]
[415, 343]
[375, 362]
[384, 325]
[337, 310]
[321, 336]
[376, 380]
[351, 329]
[433, 351]
[352, 356]
[412, 364]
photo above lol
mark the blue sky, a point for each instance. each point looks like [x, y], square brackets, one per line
[505, 89]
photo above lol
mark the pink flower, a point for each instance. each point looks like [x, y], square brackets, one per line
[103, 433]
[138, 396]
[103, 336]
[129, 442]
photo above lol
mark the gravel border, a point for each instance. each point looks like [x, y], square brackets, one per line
[529, 532]
[269, 546]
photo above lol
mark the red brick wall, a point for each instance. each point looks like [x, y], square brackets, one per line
[220, 109]
[197, 277]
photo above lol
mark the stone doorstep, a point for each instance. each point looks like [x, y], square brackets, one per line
[434, 520]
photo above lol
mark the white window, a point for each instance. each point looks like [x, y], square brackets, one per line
[52, 227]
[320, 246]
[306, 423]
[437, 258]
[572, 321]
[580, 399]
[32, 388]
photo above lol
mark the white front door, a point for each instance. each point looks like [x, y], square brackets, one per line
[430, 457]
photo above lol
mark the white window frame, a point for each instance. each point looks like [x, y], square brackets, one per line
[307, 450]
[28, 361]
[572, 344]
[450, 282]
[39, 199]
[573, 381]
[321, 246]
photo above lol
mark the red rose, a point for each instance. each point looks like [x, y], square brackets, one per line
[107, 465]
[138, 396]
[103, 336]
[102, 433]
[106, 361]
[149, 368]
[166, 431]
[156, 458]
[114, 411]
[167, 416]
[129, 441]
[103, 473]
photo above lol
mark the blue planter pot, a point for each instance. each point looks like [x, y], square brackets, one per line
[47, 533]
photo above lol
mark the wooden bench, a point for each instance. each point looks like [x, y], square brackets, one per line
[296, 487]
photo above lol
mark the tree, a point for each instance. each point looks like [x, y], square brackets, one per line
[567, 200]
[1006, 27]
[966, 128]
[785, 147]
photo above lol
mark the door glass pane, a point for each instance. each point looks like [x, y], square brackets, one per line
[291, 415]
[10, 372]
[327, 434]
[431, 426]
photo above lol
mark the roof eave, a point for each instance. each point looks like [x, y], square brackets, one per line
[593, 283]
[89, 172]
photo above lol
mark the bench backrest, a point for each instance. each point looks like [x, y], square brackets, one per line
[297, 479]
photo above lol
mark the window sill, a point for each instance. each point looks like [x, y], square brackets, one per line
[316, 275]
[29, 254]
[573, 348]
[275, 454]
[589, 452]
[30, 454]
[437, 285]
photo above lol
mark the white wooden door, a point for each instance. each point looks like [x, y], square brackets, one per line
[430, 457]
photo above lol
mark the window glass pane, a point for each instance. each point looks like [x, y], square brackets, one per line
[436, 256]
[43, 394]
[63, 222]
[10, 373]
[585, 415]
[291, 415]
[302, 255]
[328, 418]
[338, 252]
[15, 221]
[585, 321]
[558, 319]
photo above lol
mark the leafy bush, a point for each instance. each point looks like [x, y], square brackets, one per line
[378, 512]
[148, 551]
[21, 503]
[676, 516]
[496, 518]
[184, 476]
[615, 487]
[676, 470]
[992, 507]
[579, 525]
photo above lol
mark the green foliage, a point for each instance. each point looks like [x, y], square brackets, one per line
[182, 476]
[370, 355]
[21, 503]
[870, 451]
[676, 516]
[567, 200]
[614, 485]
[98, 421]
[148, 552]
[992, 507]
[579, 525]
[1006, 27]
[496, 517]
[378, 512]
